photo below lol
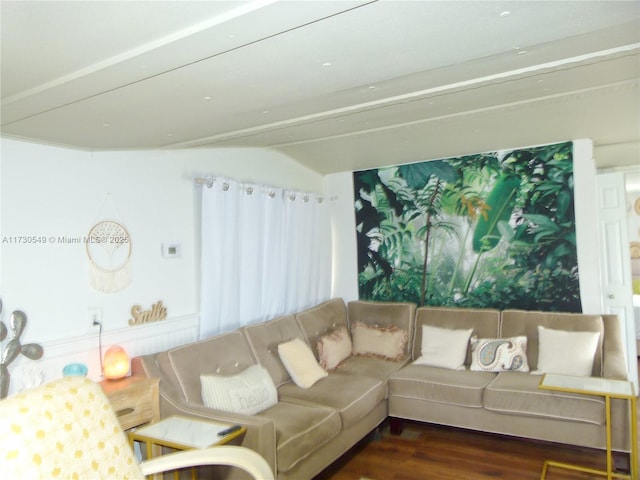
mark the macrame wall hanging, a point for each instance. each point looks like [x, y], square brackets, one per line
[108, 247]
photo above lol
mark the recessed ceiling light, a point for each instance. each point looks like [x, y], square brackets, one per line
[372, 87]
[505, 13]
[326, 64]
[208, 97]
[266, 112]
[106, 124]
[521, 52]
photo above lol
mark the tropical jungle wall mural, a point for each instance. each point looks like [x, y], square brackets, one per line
[493, 230]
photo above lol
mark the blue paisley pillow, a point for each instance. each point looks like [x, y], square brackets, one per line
[499, 354]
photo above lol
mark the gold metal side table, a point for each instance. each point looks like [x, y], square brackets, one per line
[604, 388]
[184, 433]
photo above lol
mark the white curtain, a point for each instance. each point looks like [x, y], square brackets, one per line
[265, 252]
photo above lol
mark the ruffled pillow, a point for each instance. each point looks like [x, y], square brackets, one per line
[389, 342]
[334, 348]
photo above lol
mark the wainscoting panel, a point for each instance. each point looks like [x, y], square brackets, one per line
[137, 340]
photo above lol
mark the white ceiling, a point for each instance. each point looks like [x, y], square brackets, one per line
[337, 85]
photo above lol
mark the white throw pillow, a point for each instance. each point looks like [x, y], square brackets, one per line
[249, 392]
[299, 361]
[444, 347]
[333, 348]
[566, 353]
[499, 354]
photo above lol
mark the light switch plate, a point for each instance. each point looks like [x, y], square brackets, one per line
[171, 250]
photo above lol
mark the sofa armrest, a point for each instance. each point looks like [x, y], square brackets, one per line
[261, 431]
[614, 364]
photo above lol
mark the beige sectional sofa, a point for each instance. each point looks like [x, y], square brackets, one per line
[308, 428]
[510, 402]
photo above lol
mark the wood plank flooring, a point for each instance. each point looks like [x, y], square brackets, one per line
[429, 452]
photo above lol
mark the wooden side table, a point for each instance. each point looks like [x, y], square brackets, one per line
[134, 399]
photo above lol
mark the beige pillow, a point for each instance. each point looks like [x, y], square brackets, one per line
[248, 392]
[299, 361]
[499, 354]
[566, 353]
[444, 347]
[386, 342]
[333, 348]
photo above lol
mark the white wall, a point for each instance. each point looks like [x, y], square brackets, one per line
[339, 187]
[55, 192]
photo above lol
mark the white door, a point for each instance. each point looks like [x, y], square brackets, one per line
[615, 263]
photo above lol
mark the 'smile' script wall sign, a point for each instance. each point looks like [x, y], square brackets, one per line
[157, 312]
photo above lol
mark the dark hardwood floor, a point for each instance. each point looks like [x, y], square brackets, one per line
[428, 452]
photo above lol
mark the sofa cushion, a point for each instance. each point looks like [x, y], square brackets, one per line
[300, 430]
[444, 347]
[566, 353]
[499, 354]
[458, 387]
[248, 392]
[389, 342]
[485, 324]
[371, 367]
[321, 320]
[521, 322]
[518, 394]
[264, 339]
[224, 354]
[300, 363]
[353, 396]
[334, 348]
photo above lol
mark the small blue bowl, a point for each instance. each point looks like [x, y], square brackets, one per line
[75, 370]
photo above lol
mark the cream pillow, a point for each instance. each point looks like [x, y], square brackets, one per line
[248, 392]
[499, 354]
[444, 347]
[299, 361]
[566, 353]
[333, 348]
[386, 342]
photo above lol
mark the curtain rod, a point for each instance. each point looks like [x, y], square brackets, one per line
[208, 181]
[204, 181]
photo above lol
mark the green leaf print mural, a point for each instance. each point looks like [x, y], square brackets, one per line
[493, 230]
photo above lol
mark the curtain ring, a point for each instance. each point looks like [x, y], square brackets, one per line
[249, 190]
[225, 186]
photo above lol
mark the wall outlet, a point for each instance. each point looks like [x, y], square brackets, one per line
[95, 316]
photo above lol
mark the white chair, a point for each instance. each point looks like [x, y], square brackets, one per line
[68, 430]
